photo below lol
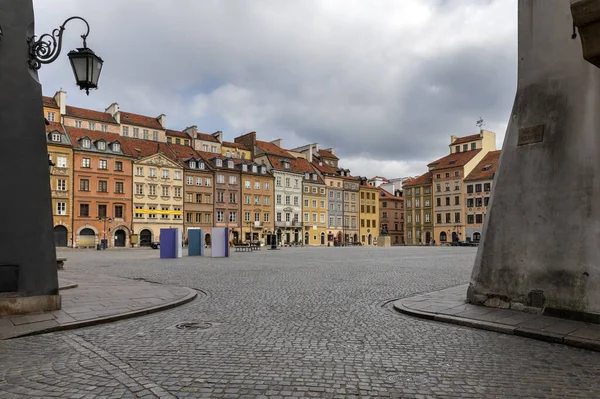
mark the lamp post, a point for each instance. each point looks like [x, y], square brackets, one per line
[249, 224]
[106, 220]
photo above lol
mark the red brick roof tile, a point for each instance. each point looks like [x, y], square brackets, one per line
[466, 139]
[77, 133]
[176, 133]
[235, 145]
[90, 114]
[424, 180]
[486, 168]
[389, 196]
[272, 149]
[49, 102]
[146, 148]
[140, 120]
[327, 154]
[324, 168]
[55, 127]
[454, 160]
[206, 137]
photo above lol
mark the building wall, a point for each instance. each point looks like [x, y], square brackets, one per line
[198, 200]
[257, 187]
[145, 199]
[179, 140]
[93, 198]
[228, 203]
[314, 212]
[138, 132]
[234, 152]
[293, 227]
[207, 146]
[481, 191]
[351, 211]
[335, 210]
[448, 189]
[62, 193]
[419, 215]
[91, 124]
[391, 214]
[369, 215]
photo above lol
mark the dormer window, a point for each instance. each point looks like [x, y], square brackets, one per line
[219, 162]
[285, 163]
[254, 168]
[201, 165]
[452, 162]
[86, 143]
[244, 167]
[116, 147]
[193, 164]
[263, 169]
[486, 167]
[307, 176]
[101, 145]
[230, 164]
[227, 153]
[314, 176]
[55, 137]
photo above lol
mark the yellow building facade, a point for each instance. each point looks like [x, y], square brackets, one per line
[257, 202]
[314, 207]
[369, 214]
[418, 210]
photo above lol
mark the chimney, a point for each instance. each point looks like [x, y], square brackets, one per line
[452, 139]
[162, 119]
[249, 140]
[113, 110]
[61, 99]
[331, 150]
[219, 136]
[310, 153]
[191, 131]
[277, 142]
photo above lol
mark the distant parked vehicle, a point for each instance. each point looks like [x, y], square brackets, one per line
[155, 245]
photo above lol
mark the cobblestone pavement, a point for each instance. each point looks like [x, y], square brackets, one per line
[299, 322]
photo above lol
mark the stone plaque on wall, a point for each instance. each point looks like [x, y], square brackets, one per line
[530, 135]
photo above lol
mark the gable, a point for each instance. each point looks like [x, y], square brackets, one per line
[159, 160]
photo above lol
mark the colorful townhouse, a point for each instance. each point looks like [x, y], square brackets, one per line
[258, 203]
[370, 227]
[391, 215]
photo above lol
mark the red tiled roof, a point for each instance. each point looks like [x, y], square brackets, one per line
[206, 137]
[140, 120]
[424, 180]
[184, 152]
[90, 114]
[324, 168]
[235, 145]
[327, 154]
[295, 163]
[379, 177]
[454, 160]
[486, 168]
[49, 102]
[272, 149]
[466, 139]
[55, 126]
[77, 133]
[176, 133]
[389, 196]
[146, 148]
[303, 166]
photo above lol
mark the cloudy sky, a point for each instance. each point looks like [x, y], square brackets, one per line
[383, 82]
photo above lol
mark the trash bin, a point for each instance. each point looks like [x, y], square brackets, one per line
[104, 242]
[273, 244]
[98, 247]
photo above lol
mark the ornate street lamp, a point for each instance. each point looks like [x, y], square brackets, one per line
[50, 165]
[85, 63]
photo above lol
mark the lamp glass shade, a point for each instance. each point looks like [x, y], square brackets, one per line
[86, 68]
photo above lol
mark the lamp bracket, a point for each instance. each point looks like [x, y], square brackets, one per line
[47, 48]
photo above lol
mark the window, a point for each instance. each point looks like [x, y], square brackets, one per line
[427, 203]
[152, 189]
[246, 216]
[447, 187]
[473, 146]
[267, 200]
[136, 132]
[119, 211]
[84, 185]
[165, 191]
[86, 163]
[207, 218]
[213, 148]
[267, 186]
[189, 197]
[207, 199]
[102, 164]
[198, 198]
[207, 182]
[470, 219]
[438, 188]
[486, 201]
[61, 185]
[139, 189]
[102, 186]
[287, 217]
[278, 199]
[232, 217]
[155, 135]
[177, 175]
[61, 208]
[265, 216]
[91, 125]
[478, 202]
[306, 217]
[314, 218]
[178, 192]
[232, 179]
[119, 166]
[287, 182]
[409, 218]
[230, 164]
[470, 189]
[84, 210]
[219, 162]
[478, 188]
[278, 182]
[220, 196]
[448, 173]
[457, 200]
[119, 187]
[384, 215]
[479, 218]
[427, 218]
[152, 172]
[439, 218]
[257, 200]
[102, 211]
[220, 216]
[296, 200]
[257, 217]
[232, 198]
[257, 185]
[61, 162]
[457, 148]
[50, 116]
[306, 203]
[198, 181]
[469, 202]
[247, 184]
[139, 171]
[55, 137]
[104, 128]
[322, 204]
[417, 203]
[137, 213]
[165, 174]
[220, 179]
[456, 186]
[448, 219]
[457, 217]
[152, 215]
[287, 200]
[447, 201]
[146, 134]
[487, 187]
[125, 131]
[417, 218]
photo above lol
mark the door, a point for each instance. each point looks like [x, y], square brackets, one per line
[322, 238]
[454, 236]
[428, 237]
[60, 236]
[306, 238]
[145, 238]
[370, 239]
[207, 239]
[87, 238]
[119, 238]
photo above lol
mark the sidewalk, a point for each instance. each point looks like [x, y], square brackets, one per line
[449, 306]
[93, 299]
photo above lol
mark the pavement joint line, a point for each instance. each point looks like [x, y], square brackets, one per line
[540, 335]
[193, 294]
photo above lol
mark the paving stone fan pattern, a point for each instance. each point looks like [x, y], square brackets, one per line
[293, 323]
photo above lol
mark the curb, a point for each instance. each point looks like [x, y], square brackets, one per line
[576, 342]
[102, 320]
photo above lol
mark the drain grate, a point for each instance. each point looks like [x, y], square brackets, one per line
[193, 326]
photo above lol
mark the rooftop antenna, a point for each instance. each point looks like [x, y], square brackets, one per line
[479, 122]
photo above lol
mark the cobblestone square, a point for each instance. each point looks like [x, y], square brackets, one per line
[298, 322]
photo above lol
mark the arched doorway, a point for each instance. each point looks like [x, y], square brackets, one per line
[476, 236]
[370, 239]
[322, 238]
[61, 236]
[443, 236]
[145, 238]
[427, 237]
[355, 237]
[119, 238]
[207, 239]
[454, 236]
[306, 238]
[339, 236]
[87, 238]
[236, 237]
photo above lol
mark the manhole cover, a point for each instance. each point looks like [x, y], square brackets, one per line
[193, 326]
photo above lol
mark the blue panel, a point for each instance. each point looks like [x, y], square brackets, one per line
[195, 242]
[168, 243]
